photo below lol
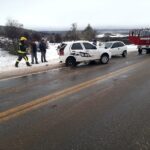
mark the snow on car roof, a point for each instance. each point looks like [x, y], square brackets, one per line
[113, 41]
[70, 42]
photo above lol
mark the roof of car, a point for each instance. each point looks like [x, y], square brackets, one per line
[113, 41]
[80, 41]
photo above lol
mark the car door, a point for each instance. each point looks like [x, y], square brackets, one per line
[115, 49]
[91, 50]
[122, 47]
[78, 52]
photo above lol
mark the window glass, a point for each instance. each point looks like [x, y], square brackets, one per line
[76, 46]
[121, 44]
[115, 45]
[89, 46]
[108, 45]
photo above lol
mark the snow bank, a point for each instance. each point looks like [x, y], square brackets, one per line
[118, 35]
[111, 35]
[7, 61]
[100, 36]
[3, 40]
[132, 48]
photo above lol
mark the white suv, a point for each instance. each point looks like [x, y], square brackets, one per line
[116, 48]
[73, 53]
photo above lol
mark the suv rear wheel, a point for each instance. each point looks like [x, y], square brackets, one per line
[104, 59]
[71, 62]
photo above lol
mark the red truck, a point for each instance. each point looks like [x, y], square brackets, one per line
[140, 37]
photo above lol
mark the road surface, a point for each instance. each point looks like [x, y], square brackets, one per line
[91, 107]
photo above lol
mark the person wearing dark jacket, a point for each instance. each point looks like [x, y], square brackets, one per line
[43, 47]
[34, 52]
[22, 52]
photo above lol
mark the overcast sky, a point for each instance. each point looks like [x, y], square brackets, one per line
[58, 14]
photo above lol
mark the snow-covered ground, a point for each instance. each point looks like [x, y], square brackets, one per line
[3, 39]
[7, 61]
[132, 48]
[100, 36]
[118, 35]
[113, 35]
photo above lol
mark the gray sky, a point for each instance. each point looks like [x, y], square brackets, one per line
[57, 14]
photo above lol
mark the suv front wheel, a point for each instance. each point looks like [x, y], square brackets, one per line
[124, 54]
[104, 59]
[71, 62]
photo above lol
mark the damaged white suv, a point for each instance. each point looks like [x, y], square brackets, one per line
[73, 53]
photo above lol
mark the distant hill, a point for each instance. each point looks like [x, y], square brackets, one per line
[55, 32]
[121, 31]
[1, 30]
[107, 30]
[43, 33]
[63, 32]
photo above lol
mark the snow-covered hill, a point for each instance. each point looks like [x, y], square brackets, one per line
[111, 35]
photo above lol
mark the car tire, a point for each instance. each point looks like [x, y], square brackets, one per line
[104, 59]
[71, 62]
[124, 54]
[147, 51]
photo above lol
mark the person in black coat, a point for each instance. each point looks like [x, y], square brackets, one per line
[34, 52]
[43, 47]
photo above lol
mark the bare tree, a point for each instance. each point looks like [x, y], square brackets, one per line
[89, 33]
[74, 31]
[13, 30]
[73, 34]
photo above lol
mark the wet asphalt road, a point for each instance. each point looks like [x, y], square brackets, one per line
[111, 113]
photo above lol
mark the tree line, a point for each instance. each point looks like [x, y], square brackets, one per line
[13, 30]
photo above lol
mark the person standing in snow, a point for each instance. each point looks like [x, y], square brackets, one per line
[34, 52]
[43, 47]
[22, 52]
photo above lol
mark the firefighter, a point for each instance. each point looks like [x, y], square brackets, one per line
[22, 52]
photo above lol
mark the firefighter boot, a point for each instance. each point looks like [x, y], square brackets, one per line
[28, 64]
[16, 64]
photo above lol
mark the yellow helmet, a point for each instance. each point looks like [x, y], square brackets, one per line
[23, 38]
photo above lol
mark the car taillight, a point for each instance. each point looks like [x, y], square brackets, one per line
[61, 49]
[61, 52]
